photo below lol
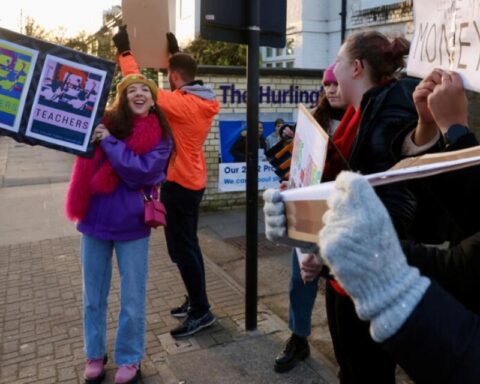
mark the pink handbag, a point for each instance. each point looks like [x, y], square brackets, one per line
[155, 212]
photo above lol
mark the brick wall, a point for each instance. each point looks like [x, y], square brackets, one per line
[219, 78]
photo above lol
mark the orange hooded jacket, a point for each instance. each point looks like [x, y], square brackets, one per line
[190, 111]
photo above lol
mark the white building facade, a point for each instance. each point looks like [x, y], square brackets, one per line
[314, 27]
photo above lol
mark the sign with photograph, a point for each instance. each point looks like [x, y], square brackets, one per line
[233, 168]
[65, 103]
[51, 95]
[447, 36]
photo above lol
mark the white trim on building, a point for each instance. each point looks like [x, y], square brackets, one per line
[314, 27]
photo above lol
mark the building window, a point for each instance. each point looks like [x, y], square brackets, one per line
[289, 64]
[279, 51]
[186, 9]
[290, 47]
[268, 52]
[268, 65]
[278, 65]
[366, 4]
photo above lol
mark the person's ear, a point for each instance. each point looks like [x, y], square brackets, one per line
[358, 68]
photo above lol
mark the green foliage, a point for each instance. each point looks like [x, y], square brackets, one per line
[209, 52]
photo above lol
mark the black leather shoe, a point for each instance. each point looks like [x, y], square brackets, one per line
[296, 349]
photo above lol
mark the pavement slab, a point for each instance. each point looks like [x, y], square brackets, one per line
[41, 323]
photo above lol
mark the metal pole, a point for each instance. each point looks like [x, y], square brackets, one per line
[253, 59]
[343, 15]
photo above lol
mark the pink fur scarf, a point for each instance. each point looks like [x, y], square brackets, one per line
[96, 175]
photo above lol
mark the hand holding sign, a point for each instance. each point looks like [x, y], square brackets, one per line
[121, 40]
[427, 127]
[172, 43]
[448, 103]
[420, 96]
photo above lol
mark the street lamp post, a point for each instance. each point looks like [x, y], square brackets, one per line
[253, 59]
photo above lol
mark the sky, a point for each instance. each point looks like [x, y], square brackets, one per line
[74, 15]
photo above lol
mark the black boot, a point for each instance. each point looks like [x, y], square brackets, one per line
[296, 349]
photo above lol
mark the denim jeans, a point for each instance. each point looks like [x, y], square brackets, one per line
[132, 260]
[182, 206]
[302, 300]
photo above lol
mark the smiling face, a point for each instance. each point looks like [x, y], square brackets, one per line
[139, 99]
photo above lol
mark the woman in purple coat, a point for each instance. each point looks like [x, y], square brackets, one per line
[105, 198]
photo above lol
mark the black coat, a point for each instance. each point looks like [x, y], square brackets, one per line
[456, 269]
[440, 341]
[388, 114]
[448, 203]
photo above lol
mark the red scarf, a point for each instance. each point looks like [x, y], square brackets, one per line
[96, 175]
[343, 139]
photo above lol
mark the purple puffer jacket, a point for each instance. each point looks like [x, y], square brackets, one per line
[118, 215]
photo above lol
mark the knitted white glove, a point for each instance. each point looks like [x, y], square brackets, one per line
[359, 244]
[276, 223]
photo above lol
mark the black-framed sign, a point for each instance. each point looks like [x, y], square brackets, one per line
[51, 95]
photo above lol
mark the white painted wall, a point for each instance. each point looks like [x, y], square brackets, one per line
[313, 26]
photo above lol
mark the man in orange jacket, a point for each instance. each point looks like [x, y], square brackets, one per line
[190, 108]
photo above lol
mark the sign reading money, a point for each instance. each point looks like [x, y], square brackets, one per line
[447, 36]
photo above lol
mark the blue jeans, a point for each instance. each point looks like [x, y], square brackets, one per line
[302, 300]
[132, 260]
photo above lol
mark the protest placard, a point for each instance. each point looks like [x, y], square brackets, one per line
[447, 36]
[308, 161]
[51, 95]
[147, 24]
[309, 150]
[305, 206]
[232, 167]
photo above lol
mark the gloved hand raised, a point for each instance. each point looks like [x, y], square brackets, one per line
[361, 247]
[121, 40]
[276, 222]
[172, 43]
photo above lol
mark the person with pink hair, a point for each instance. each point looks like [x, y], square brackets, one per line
[328, 114]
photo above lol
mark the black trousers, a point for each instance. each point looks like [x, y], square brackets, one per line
[360, 358]
[182, 207]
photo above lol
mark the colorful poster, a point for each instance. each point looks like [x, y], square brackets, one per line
[65, 103]
[233, 168]
[309, 151]
[16, 69]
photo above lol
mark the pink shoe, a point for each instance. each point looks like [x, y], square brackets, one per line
[128, 374]
[95, 370]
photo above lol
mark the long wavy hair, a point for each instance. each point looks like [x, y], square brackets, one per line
[119, 117]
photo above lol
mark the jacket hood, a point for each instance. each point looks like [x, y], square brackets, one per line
[199, 90]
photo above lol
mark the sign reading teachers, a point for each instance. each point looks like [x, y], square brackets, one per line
[51, 95]
[447, 35]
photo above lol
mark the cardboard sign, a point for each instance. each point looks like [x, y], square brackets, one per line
[51, 95]
[309, 151]
[305, 206]
[447, 36]
[147, 24]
